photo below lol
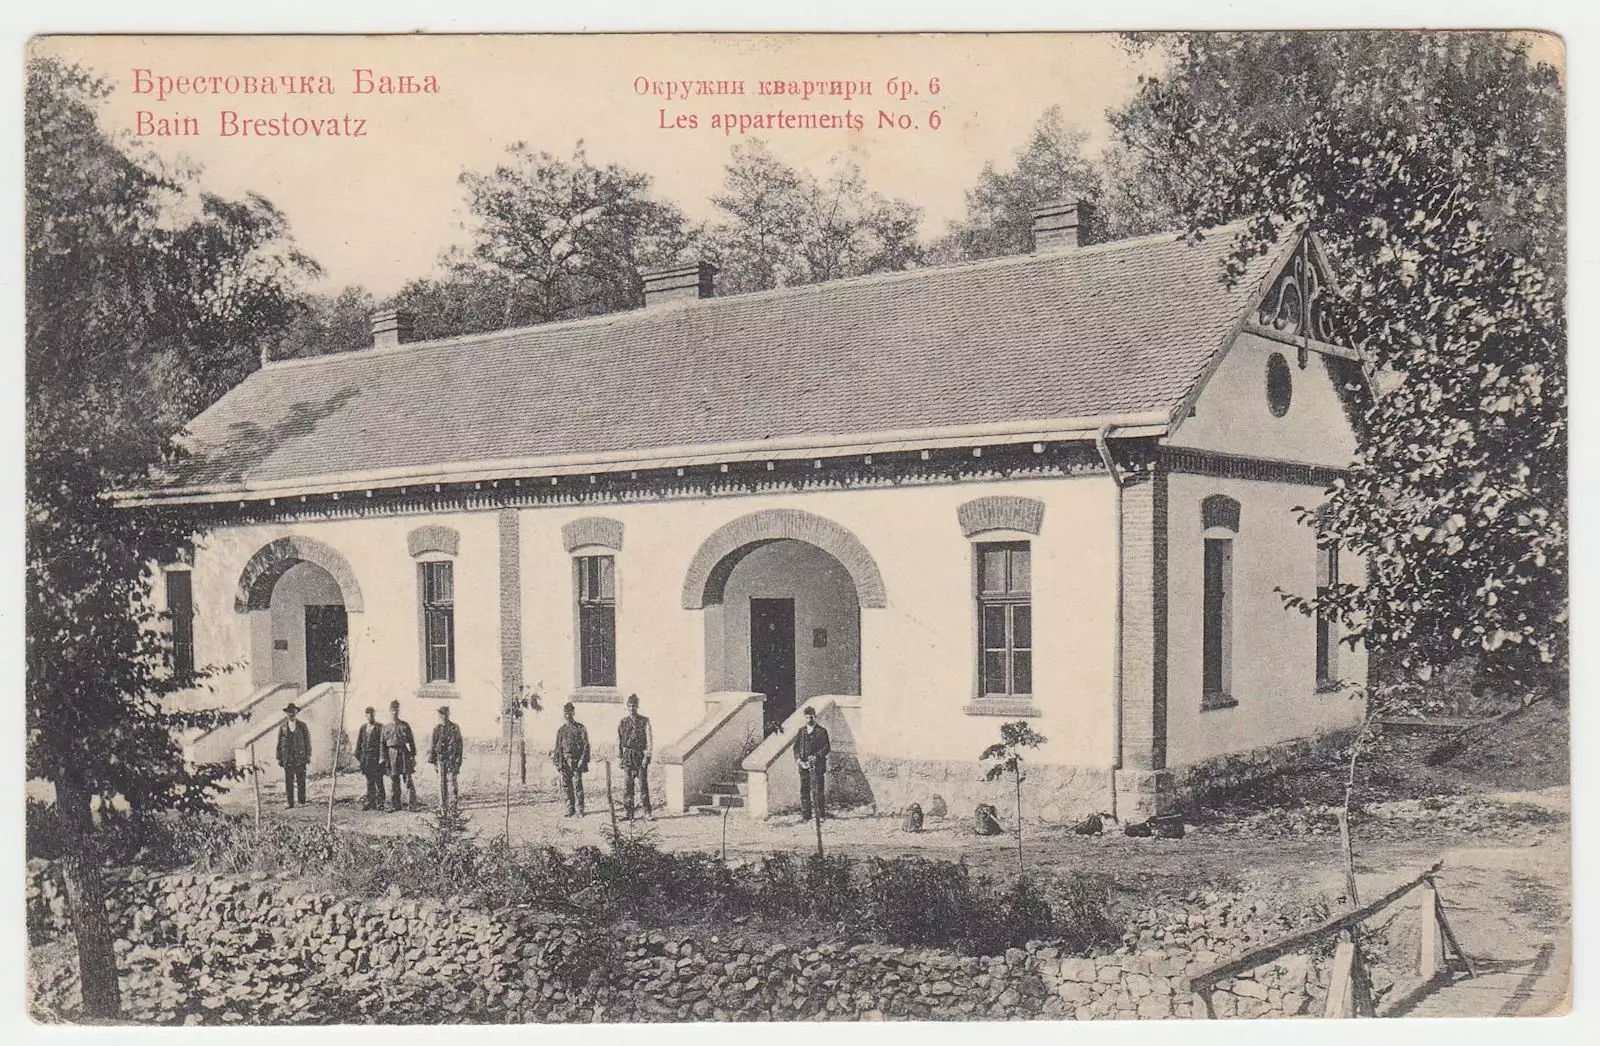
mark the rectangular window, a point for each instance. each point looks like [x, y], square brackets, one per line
[1217, 627]
[597, 621]
[180, 605]
[1005, 619]
[438, 622]
[1327, 623]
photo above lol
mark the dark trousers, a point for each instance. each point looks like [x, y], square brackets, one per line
[572, 788]
[635, 771]
[813, 793]
[294, 783]
[411, 785]
[449, 788]
[374, 776]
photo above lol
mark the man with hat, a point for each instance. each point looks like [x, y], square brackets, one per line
[444, 752]
[635, 742]
[400, 755]
[294, 753]
[572, 758]
[811, 753]
[369, 754]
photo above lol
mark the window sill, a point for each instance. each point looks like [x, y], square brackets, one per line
[1214, 702]
[438, 692]
[596, 695]
[1003, 706]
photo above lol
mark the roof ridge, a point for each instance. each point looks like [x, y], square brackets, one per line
[799, 290]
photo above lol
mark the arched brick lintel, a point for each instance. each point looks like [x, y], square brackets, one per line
[434, 538]
[1001, 513]
[592, 530]
[1219, 510]
[273, 560]
[702, 586]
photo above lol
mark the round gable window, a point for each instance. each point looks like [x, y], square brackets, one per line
[1280, 386]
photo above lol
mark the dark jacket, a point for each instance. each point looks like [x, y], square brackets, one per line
[634, 740]
[812, 743]
[369, 747]
[399, 748]
[572, 748]
[294, 744]
[445, 749]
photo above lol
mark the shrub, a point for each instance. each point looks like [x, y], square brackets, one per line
[908, 900]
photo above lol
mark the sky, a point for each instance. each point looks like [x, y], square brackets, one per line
[377, 209]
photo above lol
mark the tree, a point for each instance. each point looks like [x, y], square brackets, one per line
[1431, 167]
[328, 323]
[1050, 166]
[784, 227]
[144, 300]
[1005, 757]
[571, 236]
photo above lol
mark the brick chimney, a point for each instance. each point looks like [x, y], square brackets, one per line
[680, 283]
[1061, 225]
[392, 327]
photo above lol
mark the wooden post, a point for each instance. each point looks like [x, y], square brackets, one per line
[818, 823]
[725, 812]
[1351, 895]
[509, 751]
[1341, 986]
[611, 804]
[255, 778]
[1430, 947]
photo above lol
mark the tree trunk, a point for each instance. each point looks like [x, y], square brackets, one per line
[86, 904]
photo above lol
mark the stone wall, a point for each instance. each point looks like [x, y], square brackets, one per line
[214, 949]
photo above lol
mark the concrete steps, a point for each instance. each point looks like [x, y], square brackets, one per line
[729, 794]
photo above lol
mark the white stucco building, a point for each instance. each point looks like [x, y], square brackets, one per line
[1059, 487]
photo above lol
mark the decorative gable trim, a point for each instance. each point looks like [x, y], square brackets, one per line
[592, 530]
[1001, 513]
[433, 538]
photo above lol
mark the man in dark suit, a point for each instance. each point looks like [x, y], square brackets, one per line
[400, 755]
[811, 754]
[444, 752]
[635, 741]
[294, 753]
[572, 758]
[369, 754]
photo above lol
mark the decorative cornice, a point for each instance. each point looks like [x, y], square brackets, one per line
[741, 479]
[1233, 466]
[592, 530]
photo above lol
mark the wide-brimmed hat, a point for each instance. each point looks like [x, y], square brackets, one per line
[444, 709]
[291, 707]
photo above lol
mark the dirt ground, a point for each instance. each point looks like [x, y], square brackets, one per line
[1507, 797]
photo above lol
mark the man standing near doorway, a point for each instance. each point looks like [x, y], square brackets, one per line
[811, 753]
[444, 752]
[572, 758]
[294, 753]
[369, 754]
[635, 742]
[400, 755]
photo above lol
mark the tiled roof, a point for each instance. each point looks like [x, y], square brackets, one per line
[1116, 329]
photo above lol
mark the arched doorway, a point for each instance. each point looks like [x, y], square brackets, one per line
[782, 593]
[299, 593]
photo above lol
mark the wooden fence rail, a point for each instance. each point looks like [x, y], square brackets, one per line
[1347, 996]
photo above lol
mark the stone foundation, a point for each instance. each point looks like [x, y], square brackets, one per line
[1145, 793]
[1049, 793]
